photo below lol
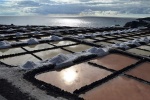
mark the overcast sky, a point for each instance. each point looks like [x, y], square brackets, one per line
[74, 7]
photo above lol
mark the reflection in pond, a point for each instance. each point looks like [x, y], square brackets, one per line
[142, 71]
[78, 48]
[69, 76]
[50, 53]
[10, 51]
[121, 88]
[139, 52]
[37, 47]
[19, 60]
[74, 77]
[115, 61]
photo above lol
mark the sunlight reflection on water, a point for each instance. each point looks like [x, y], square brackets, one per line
[70, 22]
[69, 75]
[64, 21]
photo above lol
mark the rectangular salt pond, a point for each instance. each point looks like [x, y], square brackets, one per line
[103, 43]
[19, 60]
[115, 41]
[123, 39]
[145, 47]
[45, 37]
[63, 43]
[10, 51]
[78, 48]
[50, 53]
[115, 61]
[108, 36]
[23, 40]
[89, 40]
[99, 38]
[139, 52]
[38, 47]
[74, 77]
[120, 88]
[141, 71]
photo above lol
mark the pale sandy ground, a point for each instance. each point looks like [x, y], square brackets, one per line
[15, 76]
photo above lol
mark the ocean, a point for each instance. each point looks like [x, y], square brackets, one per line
[64, 21]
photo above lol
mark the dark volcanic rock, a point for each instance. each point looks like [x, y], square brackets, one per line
[142, 22]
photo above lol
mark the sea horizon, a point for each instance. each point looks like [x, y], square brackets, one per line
[73, 21]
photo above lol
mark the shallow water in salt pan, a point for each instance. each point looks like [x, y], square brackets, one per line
[115, 41]
[74, 77]
[139, 52]
[99, 38]
[89, 40]
[121, 88]
[142, 71]
[78, 48]
[61, 43]
[37, 47]
[115, 61]
[10, 51]
[145, 47]
[103, 43]
[19, 60]
[123, 39]
[50, 53]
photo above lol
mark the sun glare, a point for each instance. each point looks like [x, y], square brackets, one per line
[69, 76]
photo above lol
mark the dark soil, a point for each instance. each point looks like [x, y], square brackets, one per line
[10, 92]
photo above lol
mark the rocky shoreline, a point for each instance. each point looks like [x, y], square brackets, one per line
[141, 22]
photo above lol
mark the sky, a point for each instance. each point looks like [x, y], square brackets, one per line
[75, 7]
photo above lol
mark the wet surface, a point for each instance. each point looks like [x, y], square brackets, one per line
[74, 77]
[121, 88]
[115, 41]
[37, 47]
[139, 52]
[142, 71]
[124, 40]
[89, 40]
[103, 43]
[50, 53]
[61, 43]
[81, 76]
[115, 61]
[19, 60]
[10, 51]
[78, 48]
[99, 38]
[108, 36]
[145, 47]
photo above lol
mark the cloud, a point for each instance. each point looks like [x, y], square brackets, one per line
[28, 4]
[82, 7]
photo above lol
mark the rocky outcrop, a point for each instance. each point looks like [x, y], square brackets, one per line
[142, 22]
